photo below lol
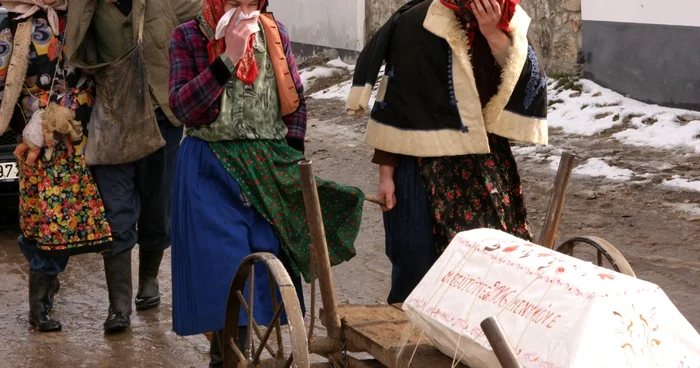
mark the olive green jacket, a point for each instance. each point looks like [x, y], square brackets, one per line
[161, 18]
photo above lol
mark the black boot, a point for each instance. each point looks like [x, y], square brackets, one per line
[54, 290]
[118, 273]
[40, 288]
[148, 295]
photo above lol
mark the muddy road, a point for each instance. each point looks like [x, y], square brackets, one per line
[653, 226]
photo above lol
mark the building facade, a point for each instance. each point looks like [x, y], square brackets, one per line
[646, 49]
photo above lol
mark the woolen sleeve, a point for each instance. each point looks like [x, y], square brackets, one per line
[192, 93]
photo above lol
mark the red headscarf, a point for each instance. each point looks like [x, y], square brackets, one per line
[212, 11]
[463, 8]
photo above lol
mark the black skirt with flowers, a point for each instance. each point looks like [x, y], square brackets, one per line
[475, 191]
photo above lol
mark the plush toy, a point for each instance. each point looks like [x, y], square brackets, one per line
[32, 140]
[41, 131]
[60, 119]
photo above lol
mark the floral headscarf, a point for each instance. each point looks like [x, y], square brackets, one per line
[212, 11]
[464, 12]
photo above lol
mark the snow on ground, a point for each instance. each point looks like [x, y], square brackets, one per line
[596, 109]
[311, 74]
[598, 167]
[339, 91]
[595, 167]
[681, 183]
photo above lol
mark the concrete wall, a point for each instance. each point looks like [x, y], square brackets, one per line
[319, 25]
[647, 49]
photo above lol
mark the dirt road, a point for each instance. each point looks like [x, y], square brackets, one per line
[646, 222]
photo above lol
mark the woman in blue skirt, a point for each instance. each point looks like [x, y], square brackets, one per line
[236, 189]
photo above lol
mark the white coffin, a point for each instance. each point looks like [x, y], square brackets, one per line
[557, 311]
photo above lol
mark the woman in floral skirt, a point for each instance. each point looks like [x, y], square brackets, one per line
[461, 81]
[61, 211]
[236, 189]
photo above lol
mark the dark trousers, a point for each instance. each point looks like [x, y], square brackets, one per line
[137, 195]
[46, 265]
[410, 241]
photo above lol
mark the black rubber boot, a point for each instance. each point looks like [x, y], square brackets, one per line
[118, 273]
[41, 287]
[54, 290]
[216, 357]
[148, 295]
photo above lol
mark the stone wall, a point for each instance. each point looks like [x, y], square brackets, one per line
[556, 33]
[377, 13]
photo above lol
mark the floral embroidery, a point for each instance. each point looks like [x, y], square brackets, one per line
[537, 82]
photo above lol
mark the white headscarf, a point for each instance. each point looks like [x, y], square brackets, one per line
[27, 8]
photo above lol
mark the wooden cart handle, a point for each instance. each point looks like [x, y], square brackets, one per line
[375, 200]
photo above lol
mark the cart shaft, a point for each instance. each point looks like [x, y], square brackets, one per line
[319, 249]
[556, 204]
[499, 343]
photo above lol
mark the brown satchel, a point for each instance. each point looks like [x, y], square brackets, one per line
[123, 126]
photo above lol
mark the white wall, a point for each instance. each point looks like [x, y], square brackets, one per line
[329, 23]
[665, 12]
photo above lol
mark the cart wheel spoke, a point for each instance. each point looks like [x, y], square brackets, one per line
[261, 348]
[263, 340]
[232, 345]
[603, 249]
[251, 310]
[275, 304]
[251, 322]
[289, 361]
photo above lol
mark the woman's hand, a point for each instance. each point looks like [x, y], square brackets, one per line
[489, 13]
[237, 36]
[386, 189]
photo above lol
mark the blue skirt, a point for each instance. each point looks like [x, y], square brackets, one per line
[214, 227]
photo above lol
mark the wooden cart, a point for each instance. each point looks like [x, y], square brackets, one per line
[382, 331]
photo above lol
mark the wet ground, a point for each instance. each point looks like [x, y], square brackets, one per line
[650, 224]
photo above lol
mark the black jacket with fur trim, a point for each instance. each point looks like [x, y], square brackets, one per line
[437, 97]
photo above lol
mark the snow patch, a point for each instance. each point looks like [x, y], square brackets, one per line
[681, 183]
[598, 167]
[596, 109]
[334, 67]
[595, 167]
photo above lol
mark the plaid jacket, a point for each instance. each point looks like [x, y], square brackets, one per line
[195, 84]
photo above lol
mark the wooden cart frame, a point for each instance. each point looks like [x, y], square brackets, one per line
[379, 330]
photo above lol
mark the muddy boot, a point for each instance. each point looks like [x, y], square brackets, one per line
[148, 295]
[40, 287]
[54, 290]
[118, 273]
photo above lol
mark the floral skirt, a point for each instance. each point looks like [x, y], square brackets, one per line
[60, 207]
[268, 174]
[475, 191]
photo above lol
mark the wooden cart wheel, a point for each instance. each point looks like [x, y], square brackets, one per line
[261, 340]
[603, 249]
